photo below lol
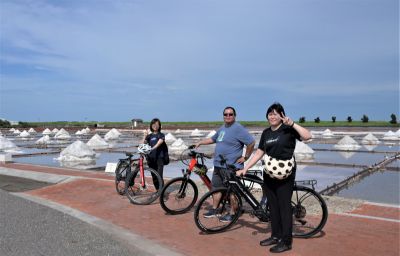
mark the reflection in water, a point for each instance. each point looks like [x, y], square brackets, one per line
[347, 154]
[79, 164]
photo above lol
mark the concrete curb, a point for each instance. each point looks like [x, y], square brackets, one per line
[132, 241]
[38, 176]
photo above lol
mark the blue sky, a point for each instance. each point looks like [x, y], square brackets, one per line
[185, 60]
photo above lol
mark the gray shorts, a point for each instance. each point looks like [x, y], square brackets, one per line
[218, 177]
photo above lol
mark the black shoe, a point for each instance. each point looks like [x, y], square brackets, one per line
[280, 247]
[269, 241]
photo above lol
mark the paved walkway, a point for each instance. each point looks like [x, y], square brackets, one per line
[371, 229]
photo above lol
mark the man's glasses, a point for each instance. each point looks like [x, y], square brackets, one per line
[228, 114]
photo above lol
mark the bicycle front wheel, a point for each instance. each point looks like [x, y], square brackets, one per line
[121, 174]
[178, 195]
[309, 212]
[223, 217]
[143, 188]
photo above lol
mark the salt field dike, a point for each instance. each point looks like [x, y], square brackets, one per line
[58, 196]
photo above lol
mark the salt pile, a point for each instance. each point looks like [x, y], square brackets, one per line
[55, 130]
[196, 132]
[11, 130]
[169, 138]
[303, 152]
[178, 131]
[78, 132]
[77, 152]
[62, 135]
[390, 136]
[7, 146]
[327, 133]
[31, 130]
[370, 139]
[398, 133]
[44, 140]
[178, 146]
[210, 134]
[97, 142]
[347, 143]
[113, 134]
[24, 134]
[46, 132]
[16, 131]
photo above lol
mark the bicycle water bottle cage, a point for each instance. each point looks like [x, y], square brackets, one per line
[128, 154]
[200, 169]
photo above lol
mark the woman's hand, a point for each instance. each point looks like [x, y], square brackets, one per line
[287, 120]
[241, 173]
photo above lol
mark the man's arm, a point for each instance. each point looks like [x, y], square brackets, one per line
[204, 142]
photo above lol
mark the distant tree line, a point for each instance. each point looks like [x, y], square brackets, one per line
[364, 119]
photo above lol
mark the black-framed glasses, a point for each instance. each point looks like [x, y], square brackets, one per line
[228, 114]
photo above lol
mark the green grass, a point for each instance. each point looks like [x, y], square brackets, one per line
[208, 124]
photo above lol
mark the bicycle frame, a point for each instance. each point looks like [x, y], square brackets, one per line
[139, 160]
[193, 162]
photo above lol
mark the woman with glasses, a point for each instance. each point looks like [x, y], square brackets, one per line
[230, 140]
[278, 142]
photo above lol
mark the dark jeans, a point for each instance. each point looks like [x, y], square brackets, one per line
[158, 166]
[279, 194]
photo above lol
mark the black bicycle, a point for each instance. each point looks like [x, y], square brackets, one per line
[310, 212]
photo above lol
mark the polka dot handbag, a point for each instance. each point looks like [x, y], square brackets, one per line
[278, 169]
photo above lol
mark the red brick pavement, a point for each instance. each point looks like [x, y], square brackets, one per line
[342, 235]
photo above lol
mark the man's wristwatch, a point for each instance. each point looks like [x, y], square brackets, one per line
[246, 158]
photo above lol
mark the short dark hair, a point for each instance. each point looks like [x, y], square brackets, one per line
[153, 122]
[229, 107]
[276, 106]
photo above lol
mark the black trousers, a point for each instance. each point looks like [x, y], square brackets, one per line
[158, 166]
[279, 194]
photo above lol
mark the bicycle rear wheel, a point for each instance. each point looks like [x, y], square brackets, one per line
[178, 195]
[121, 174]
[146, 193]
[218, 222]
[309, 212]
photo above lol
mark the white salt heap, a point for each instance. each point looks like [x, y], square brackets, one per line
[24, 134]
[84, 131]
[62, 135]
[169, 138]
[46, 132]
[11, 130]
[87, 129]
[7, 146]
[196, 132]
[178, 131]
[113, 134]
[78, 132]
[327, 133]
[370, 139]
[31, 130]
[390, 136]
[178, 146]
[398, 133]
[97, 142]
[55, 130]
[77, 151]
[303, 152]
[16, 131]
[44, 140]
[210, 134]
[347, 143]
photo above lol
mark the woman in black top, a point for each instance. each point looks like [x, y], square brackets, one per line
[155, 139]
[279, 141]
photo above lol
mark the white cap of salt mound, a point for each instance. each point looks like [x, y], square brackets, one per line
[390, 136]
[62, 134]
[24, 134]
[303, 151]
[178, 145]
[44, 140]
[55, 130]
[327, 133]
[97, 142]
[12, 130]
[113, 134]
[196, 132]
[31, 130]
[6, 144]
[46, 131]
[169, 138]
[77, 151]
[347, 143]
[16, 131]
[370, 139]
